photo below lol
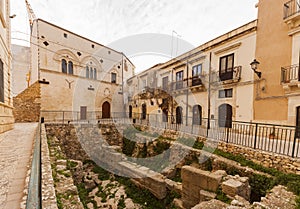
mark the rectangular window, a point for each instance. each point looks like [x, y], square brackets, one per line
[225, 93]
[226, 67]
[179, 80]
[1, 82]
[113, 77]
[165, 82]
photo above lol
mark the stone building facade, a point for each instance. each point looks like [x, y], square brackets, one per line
[76, 75]
[6, 116]
[213, 80]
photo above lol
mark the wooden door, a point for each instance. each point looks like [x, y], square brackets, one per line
[83, 112]
[106, 110]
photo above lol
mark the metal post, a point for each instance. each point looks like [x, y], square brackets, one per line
[63, 117]
[294, 143]
[208, 99]
[187, 94]
[255, 136]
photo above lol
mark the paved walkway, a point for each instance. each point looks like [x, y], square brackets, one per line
[15, 152]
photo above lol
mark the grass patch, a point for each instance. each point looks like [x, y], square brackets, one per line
[222, 197]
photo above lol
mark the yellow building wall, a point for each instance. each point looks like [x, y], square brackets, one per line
[273, 51]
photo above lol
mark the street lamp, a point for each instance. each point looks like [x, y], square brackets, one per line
[254, 64]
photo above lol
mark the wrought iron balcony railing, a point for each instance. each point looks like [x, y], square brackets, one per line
[231, 74]
[187, 83]
[291, 8]
[290, 74]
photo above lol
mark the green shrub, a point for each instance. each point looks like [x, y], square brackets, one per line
[128, 146]
[102, 173]
[161, 146]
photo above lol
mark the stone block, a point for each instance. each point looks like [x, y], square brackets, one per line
[206, 196]
[233, 187]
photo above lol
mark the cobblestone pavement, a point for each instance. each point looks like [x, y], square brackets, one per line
[15, 152]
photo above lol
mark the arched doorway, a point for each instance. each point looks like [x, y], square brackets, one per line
[165, 115]
[225, 115]
[179, 115]
[298, 122]
[130, 111]
[106, 110]
[144, 111]
[197, 115]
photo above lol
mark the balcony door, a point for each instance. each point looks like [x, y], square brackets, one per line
[226, 67]
[165, 81]
[196, 73]
[179, 80]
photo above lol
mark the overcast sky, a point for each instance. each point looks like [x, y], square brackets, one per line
[107, 21]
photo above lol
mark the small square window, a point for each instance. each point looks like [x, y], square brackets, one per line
[65, 35]
[93, 46]
[225, 93]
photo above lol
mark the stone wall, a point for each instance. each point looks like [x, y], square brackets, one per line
[193, 181]
[48, 191]
[270, 160]
[27, 104]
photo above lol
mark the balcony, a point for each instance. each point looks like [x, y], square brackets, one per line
[290, 77]
[193, 83]
[291, 13]
[232, 75]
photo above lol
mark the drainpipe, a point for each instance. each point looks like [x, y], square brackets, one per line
[187, 94]
[209, 92]
[124, 108]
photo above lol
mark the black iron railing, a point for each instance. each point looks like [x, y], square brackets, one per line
[187, 83]
[280, 139]
[291, 8]
[290, 73]
[233, 74]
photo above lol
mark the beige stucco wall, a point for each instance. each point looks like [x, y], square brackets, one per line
[6, 116]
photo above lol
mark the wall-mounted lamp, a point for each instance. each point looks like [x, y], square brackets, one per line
[254, 65]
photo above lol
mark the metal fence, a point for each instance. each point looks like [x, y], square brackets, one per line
[280, 139]
[34, 187]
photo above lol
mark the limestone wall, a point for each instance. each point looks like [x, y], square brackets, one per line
[48, 191]
[27, 104]
[270, 160]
